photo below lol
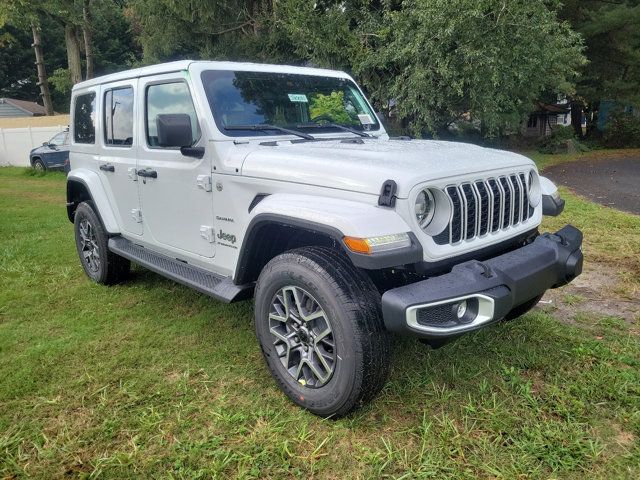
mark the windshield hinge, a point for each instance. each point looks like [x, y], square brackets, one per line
[204, 182]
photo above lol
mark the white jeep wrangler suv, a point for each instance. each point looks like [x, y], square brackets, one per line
[280, 182]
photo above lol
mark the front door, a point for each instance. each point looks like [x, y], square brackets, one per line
[177, 203]
[117, 162]
[57, 151]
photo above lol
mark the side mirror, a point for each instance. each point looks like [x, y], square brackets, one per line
[45, 144]
[174, 130]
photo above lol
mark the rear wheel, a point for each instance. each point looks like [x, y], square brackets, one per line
[320, 328]
[39, 166]
[99, 263]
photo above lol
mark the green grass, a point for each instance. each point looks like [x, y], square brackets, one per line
[150, 379]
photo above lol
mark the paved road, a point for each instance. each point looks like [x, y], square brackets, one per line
[611, 182]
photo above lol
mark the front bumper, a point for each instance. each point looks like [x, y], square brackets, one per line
[475, 294]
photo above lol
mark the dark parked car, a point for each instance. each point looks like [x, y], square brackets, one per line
[52, 155]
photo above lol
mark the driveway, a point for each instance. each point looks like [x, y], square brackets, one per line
[611, 182]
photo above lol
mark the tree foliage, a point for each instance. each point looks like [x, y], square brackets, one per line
[433, 62]
[486, 59]
[114, 46]
[611, 32]
[439, 60]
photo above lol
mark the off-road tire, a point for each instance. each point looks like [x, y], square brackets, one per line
[112, 268]
[352, 304]
[522, 309]
[39, 166]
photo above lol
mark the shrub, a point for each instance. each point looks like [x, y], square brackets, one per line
[561, 140]
[622, 130]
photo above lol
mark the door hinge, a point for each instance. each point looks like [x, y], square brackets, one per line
[133, 173]
[206, 232]
[204, 182]
[136, 214]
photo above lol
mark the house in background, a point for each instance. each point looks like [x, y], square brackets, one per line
[11, 108]
[546, 116]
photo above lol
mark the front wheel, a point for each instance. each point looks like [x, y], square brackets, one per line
[39, 166]
[319, 325]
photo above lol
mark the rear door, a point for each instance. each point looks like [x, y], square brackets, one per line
[117, 163]
[177, 203]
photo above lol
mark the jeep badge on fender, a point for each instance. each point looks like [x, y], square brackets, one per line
[343, 235]
[226, 237]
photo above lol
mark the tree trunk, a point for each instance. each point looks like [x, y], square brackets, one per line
[73, 53]
[576, 118]
[43, 83]
[88, 41]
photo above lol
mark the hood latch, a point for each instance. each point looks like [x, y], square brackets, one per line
[387, 196]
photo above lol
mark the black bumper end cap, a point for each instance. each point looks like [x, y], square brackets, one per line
[552, 206]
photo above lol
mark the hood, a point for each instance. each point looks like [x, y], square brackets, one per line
[363, 167]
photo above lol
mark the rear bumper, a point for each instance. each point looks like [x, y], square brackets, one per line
[475, 294]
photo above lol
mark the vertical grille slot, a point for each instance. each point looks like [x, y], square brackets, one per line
[517, 199]
[472, 210]
[485, 206]
[498, 201]
[525, 198]
[455, 229]
[507, 212]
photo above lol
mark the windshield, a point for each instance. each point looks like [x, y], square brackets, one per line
[299, 102]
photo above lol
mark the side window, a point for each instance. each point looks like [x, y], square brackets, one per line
[118, 117]
[84, 127]
[58, 140]
[169, 98]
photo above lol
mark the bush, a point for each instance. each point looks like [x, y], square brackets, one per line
[561, 140]
[622, 130]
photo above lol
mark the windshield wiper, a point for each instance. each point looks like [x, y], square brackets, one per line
[266, 126]
[335, 125]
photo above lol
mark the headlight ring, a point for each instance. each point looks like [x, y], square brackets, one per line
[425, 207]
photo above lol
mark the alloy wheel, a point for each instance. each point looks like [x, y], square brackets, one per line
[89, 245]
[303, 338]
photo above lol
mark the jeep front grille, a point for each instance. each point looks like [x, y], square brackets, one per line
[485, 206]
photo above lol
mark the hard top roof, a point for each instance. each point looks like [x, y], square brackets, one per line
[177, 66]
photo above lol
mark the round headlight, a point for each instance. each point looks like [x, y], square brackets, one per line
[425, 207]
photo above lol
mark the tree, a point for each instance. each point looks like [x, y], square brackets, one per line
[25, 14]
[488, 60]
[87, 35]
[611, 31]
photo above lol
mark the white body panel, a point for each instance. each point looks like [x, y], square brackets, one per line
[98, 193]
[121, 184]
[364, 167]
[324, 182]
[174, 208]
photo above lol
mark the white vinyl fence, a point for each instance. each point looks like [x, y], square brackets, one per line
[16, 143]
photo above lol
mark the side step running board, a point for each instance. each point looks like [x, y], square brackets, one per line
[197, 278]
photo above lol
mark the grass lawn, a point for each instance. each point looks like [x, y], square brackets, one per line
[151, 379]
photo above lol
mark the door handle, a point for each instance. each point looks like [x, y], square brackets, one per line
[107, 168]
[148, 173]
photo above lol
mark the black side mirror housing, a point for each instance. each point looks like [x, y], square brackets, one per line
[45, 144]
[174, 130]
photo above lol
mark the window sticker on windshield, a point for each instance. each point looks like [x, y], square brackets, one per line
[298, 97]
[365, 119]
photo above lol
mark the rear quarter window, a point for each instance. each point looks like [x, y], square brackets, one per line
[84, 113]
